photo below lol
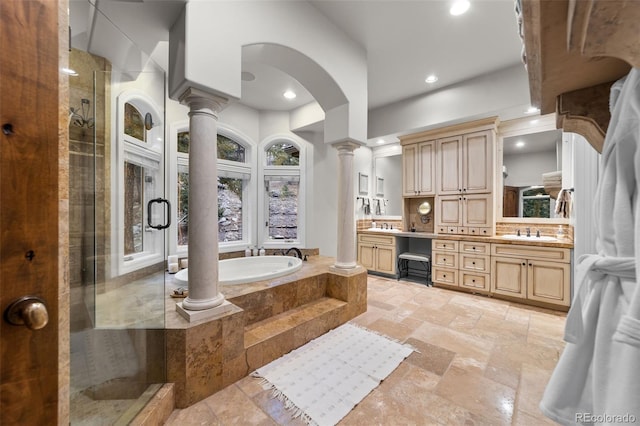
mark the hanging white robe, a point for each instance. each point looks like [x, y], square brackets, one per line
[597, 379]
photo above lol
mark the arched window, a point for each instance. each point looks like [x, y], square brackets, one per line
[234, 177]
[139, 179]
[283, 197]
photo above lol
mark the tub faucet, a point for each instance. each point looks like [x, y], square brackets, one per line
[296, 251]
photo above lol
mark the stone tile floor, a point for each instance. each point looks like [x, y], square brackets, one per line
[482, 361]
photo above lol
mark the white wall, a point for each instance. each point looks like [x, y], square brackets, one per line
[320, 54]
[504, 93]
[323, 213]
[527, 169]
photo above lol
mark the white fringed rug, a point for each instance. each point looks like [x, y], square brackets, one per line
[323, 380]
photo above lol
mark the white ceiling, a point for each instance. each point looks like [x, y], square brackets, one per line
[534, 142]
[405, 42]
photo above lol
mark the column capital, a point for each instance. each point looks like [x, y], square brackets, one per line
[346, 147]
[198, 99]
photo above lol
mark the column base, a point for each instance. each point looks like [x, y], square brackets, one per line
[341, 270]
[210, 313]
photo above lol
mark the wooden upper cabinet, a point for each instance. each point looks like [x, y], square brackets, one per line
[450, 165]
[419, 169]
[477, 162]
[466, 164]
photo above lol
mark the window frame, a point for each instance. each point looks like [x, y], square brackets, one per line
[179, 159]
[283, 171]
[150, 155]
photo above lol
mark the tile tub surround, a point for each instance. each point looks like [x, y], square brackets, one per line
[268, 319]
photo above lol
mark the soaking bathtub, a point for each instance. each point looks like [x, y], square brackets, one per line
[243, 270]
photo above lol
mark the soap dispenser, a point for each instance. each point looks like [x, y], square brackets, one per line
[247, 252]
[262, 252]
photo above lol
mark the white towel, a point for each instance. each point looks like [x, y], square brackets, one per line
[597, 372]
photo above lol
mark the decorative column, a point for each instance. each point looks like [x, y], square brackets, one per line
[346, 250]
[204, 299]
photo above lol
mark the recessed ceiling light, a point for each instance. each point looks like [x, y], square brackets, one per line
[431, 79]
[380, 141]
[532, 110]
[247, 76]
[289, 94]
[520, 144]
[459, 7]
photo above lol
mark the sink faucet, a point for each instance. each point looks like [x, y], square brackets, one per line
[538, 233]
[518, 232]
[386, 225]
[528, 232]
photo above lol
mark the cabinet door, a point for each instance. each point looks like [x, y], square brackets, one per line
[450, 165]
[409, 171]
[548, 282]
[477, 210]
[449, 211]
[385, 259]
[366, 255]
[427, 168]
[477, 162]
[509, 276]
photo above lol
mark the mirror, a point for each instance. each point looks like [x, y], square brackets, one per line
[531, 171]
[388, 172]
[424, 208]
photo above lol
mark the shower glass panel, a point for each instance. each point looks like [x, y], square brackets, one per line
[117, 244]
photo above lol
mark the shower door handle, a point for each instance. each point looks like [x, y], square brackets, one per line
[149, 206]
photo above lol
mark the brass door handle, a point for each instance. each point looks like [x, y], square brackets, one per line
[29, 311]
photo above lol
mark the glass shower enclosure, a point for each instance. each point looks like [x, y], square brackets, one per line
[118, 219]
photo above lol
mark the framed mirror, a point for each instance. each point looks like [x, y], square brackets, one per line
[363, 184]
[533, 165]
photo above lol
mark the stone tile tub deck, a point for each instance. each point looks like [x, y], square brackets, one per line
[269, 318]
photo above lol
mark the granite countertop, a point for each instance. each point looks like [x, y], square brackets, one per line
[531, 241]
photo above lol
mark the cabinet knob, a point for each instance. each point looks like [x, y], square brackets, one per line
[530, 264]
[473, 281]
[524, 264]
[473, 263]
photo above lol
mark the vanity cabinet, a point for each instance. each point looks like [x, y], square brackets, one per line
[444, 262]
[541, 274]
[463, 264]
[419, 169]
[377, 253]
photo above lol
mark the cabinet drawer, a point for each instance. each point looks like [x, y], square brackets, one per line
[376, 239]
[477, 248]
[475, 263]
[445, 259]
[532, 252]
[473, 281]
[444, 245]
[444, 275]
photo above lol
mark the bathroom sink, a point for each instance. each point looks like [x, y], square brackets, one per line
[531, 238]
[383, 230]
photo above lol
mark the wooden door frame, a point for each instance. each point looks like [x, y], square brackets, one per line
[34, 365]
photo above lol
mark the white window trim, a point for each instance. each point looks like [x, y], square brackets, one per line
[248, 168]
[148, 154]
[264, 170]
